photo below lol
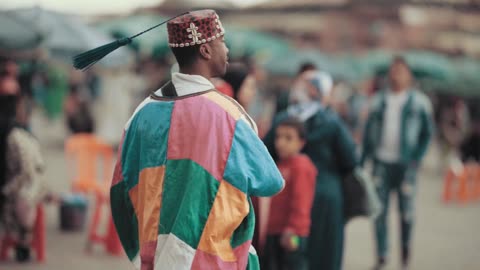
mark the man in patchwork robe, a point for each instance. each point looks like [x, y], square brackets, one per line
[189, 160]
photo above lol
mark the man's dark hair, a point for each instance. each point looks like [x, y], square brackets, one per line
[296, 124]
[400, 60]
[307, 66]
[186, 56]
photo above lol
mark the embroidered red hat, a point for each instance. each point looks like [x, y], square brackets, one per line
[194, 28]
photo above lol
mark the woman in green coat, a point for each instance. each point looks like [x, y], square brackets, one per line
[331, 148]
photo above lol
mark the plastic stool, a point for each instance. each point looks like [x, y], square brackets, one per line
[110, 239]
[476, 182]
[462, 185]
[86, 150]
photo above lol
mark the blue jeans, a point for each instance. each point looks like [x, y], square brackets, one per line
[401, 179]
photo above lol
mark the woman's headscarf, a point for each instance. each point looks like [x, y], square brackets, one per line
[311, 86]
[308, 92]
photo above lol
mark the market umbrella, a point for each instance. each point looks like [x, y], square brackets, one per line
[67, 35]
[17, 34]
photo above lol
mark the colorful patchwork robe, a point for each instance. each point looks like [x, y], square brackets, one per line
[180, 195]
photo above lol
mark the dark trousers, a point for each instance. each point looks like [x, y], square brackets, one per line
[277, 258]
[401, 179]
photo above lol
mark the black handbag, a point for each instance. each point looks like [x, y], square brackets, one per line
[354, 198]
[359, 196]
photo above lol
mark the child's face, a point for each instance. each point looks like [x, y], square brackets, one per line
[287, 142]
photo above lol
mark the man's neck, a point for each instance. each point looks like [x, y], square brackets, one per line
[399, 89]
[196, 70]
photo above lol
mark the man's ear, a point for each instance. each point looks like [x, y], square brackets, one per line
[206, 51]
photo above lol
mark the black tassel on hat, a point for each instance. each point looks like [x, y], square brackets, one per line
[86, 59]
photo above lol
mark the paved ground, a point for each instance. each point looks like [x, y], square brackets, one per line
[447, 237]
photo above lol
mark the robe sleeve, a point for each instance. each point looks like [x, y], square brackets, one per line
[250, 167]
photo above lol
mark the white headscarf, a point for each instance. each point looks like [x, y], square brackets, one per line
[310, 81]
[303, 99]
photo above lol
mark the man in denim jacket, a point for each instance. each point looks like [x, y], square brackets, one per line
[397, 134]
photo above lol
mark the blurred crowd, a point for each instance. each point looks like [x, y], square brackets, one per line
[336, 128]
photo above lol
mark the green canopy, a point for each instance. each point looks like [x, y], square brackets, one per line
[435, 72]
[424, 65]
[262, 46]
[341, 68]
[467, 81]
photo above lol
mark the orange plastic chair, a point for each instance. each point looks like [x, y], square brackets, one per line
[86, 150]
[463, 185]
[109, 239]
[455, 186]
[38, 241]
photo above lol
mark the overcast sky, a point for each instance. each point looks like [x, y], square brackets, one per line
[93, 7]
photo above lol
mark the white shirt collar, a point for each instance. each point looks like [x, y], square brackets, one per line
[403, 93]
[186, 84]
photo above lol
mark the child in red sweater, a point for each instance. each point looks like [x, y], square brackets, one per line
[289, 217]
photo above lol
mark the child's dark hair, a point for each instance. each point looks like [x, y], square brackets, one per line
[296, 124]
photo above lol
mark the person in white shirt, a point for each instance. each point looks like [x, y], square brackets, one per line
[397, 134]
